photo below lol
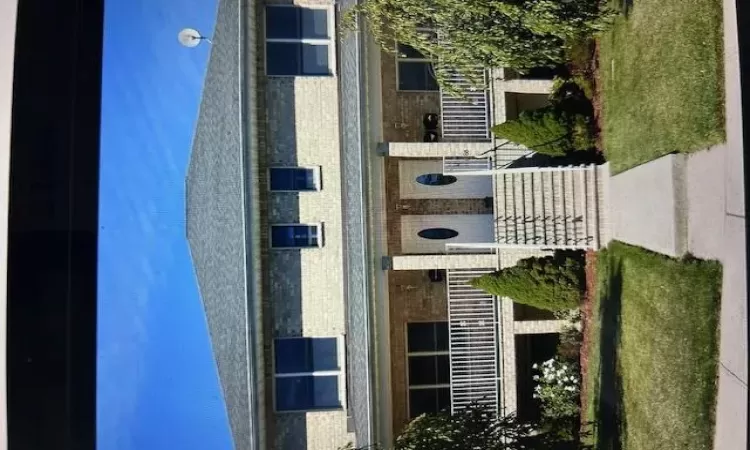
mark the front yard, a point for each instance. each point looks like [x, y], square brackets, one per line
[661, 73]
[652, 362]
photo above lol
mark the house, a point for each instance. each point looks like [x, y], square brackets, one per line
[333, 245]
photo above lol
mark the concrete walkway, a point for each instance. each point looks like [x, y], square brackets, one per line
[695, 203]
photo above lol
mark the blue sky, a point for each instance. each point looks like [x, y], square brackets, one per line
[157, 385]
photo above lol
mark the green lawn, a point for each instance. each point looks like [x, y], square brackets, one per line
[653, 360]
[662, 80]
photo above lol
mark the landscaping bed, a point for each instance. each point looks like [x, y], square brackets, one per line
[651, 364]
[586, 328]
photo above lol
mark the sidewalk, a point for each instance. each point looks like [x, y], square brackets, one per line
[695, 203]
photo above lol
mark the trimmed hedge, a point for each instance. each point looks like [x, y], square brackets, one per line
[553, 283]
[544, 130]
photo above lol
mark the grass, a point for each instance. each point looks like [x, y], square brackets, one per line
[653, 356]
[661, 75]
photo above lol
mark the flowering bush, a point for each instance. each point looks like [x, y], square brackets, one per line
[557, 389]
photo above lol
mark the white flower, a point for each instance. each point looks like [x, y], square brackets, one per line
[535, 378]
[535, 366]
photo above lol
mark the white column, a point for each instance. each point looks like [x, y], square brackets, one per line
[454, 261]
[519, 86]
[433, 149]
[539, 326]
[508, 357]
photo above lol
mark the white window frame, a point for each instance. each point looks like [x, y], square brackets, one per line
[330, 41]
[409, 387]
[399, 59]
[317, 177]
[340, 373]
[318, 225]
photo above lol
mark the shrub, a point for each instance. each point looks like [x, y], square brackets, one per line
[574, 87]
[544, 130]
[557, 389]
[569, 347]
[571, 337]
[553, 283]
[582, 133]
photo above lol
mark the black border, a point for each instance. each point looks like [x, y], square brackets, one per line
[53, 214]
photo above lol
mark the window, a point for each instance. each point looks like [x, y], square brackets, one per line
[307, 374]
[429, 368]
[437, 233]
[298, 41]
[436, 179]
[294, 179]
[415, 71]
[295, 236]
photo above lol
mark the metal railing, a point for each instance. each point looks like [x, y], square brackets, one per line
[466, 112]
[474, 348]
[496, 158]
[457, 165]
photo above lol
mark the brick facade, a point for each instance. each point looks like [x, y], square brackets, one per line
[403, 111]
[413, 298]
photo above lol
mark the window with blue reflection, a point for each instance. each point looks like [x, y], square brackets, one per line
[307, 392]
[293, 179]
[298, 41]
[297, 355]
[294, 236]
[307, 374]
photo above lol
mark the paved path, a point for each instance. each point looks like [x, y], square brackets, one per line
[696, 203]
[731, 411]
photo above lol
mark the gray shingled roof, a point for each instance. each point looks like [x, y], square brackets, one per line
[216, 225]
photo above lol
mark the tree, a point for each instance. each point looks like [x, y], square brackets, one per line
[474, 428]
[553, 283]
[516, 34]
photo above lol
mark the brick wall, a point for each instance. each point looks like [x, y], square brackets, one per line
[403, 111]
[413, 298]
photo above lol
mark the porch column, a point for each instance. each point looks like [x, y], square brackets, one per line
[539, 326]
[519, 86]
[430, 262]
[433, 149]
[508, 357]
